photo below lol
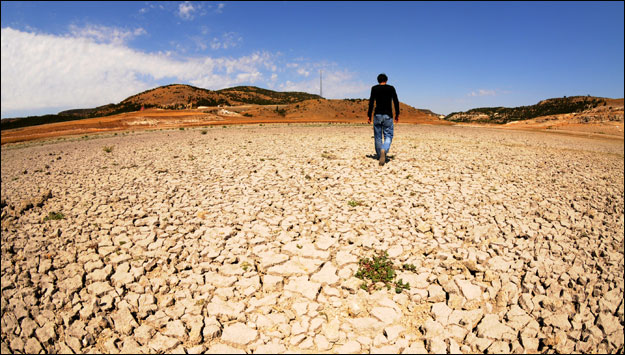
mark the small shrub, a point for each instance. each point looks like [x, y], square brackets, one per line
[354, 203]
[327, 155]
[409, 267]
[107, 149]
[204, 131]
[379, 269]
[400, 286]
[281, 111]
[54, 216]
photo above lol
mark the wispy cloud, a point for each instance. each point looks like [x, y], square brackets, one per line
[303, 72]
[482, 92]
[105, 34]
[149, 6]
[227, 40]
[187, 10]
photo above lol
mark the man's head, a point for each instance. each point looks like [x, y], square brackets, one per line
[382, 78]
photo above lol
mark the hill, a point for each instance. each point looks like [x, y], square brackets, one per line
[173, 97]
[346, 110]
[242, 95]
[590, 107]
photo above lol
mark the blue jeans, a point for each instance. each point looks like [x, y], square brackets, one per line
[382, 127]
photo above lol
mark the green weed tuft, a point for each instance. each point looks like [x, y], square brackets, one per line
[354, 203]
[379, 269]
[54, 216]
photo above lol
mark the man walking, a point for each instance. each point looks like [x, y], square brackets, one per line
[384, 97]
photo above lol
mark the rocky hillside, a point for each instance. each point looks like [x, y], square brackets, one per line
[595, 108]
[241, 95]
[339, 110]
[177, 96]
[174, 96]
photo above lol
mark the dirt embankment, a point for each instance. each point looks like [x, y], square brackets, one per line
[600, 122]
[338, 111]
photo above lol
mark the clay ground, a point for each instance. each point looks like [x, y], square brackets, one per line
[249, 238]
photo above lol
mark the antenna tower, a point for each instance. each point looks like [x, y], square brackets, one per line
[320, 84]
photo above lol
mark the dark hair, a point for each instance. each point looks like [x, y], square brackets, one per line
[382, 78]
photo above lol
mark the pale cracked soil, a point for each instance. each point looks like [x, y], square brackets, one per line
[247, 239]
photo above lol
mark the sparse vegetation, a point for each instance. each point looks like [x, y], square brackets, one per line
[354, 203]
[379, 270]
[327, 155]
[409, 267]
[281, 111]
[544, 108]
[54, 216]
[107, 149]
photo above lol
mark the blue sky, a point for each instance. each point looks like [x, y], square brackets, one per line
[442, 56]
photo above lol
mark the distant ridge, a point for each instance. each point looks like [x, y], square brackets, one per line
[549, 107]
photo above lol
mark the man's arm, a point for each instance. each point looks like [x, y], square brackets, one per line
[396, 102]
[371, 100]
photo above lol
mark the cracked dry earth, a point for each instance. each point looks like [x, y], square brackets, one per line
[247, 239]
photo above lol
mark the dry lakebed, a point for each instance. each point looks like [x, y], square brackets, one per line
[248, 239]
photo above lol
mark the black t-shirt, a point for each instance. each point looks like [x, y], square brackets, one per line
[382, 95]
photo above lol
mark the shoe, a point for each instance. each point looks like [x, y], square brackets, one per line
[382, 157]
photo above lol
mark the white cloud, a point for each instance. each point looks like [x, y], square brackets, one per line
[104, 34]
[45, 71]
[227, 40]
[482, 92]
[186, 10]
[303, 72]
[149, 7]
